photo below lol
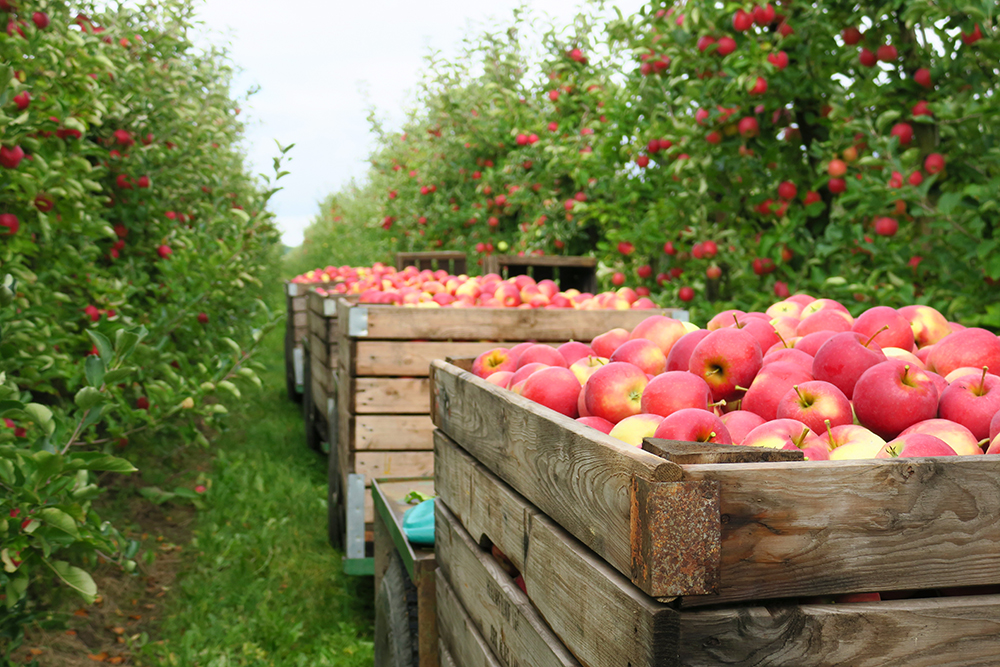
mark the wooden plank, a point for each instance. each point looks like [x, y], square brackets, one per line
[544, 260]
[444, 656]
[318, 348]
[475, 324]
[686, 453]
[392, 432]
[389, 395]
[298, 304]
[299, 334]
[459, 636]
[813, 528]
[933, 632]
[563, 578]
[411, 359]
[321, 325]
[498, 608]
[321, 374]
[384, 547]
[300, 319]
[393, 464]
[576, 475]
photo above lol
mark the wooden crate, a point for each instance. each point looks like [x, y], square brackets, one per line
[295, 332]
[390, 541]
[453, 262]
[383, 426]
[570, 272]
[710, 533]
[578, 610]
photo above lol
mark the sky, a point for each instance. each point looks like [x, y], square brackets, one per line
[320, 67]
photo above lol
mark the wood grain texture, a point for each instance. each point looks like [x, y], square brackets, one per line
[822, 527]
[459, 636]
[323, 352]
[475, 324]
[934, 632]
[501, 261]
[395, 432]
[298, 303]
[320, 371]
[444, 656]
[687, 453]
[393, 464]
[300, 319]
[410, 358]
[563, 578]
[498, 608]
[575, 474]
[389, 395]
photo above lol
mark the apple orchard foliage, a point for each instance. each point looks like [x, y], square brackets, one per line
[703, 122]
[128, 212]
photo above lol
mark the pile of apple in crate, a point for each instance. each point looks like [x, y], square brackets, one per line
[804, 375]
[794, 487]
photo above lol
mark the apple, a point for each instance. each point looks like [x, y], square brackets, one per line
[915, 444]
[726, 318]
[827, 319]
[694, 425]
[609, 341]
[852, 441]
[762, 330]
[811, 343]
[615, 390]
[957, 436]
[968, 347]
[522, 373]
[928, 325]
[770, 386]
[500, 378]
[903, 355]
[541, 354]
[518, 350]
[892, 328]
[791, 355]
[892, 396]
[784, 327]
[778, 434]
[584, 368]
[634, 429]
[844, 358]
[728, 360]
[740, 423]
[972, 401]
[664, 331]
[995, 426]
[680, 353]
[816, 404]
[817, 305]
[164, 251]
[675, 390]
[642, 353]
[573, 351]
[602, 425]
[555, 388]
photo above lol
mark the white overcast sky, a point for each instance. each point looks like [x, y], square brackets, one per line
[312, 60]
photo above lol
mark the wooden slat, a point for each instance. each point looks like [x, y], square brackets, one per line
[841, 526]
[389, 395]
[410, 358]
[563, 578]
[935, 632]
[686, 453]
[325, 328]
[545, 260]
[493, 601]
[298, 304]
[300, 319]
[393, 464]
[393, 432]
[321, 373]
[575, 474]
[444, 657]
[299, 334]
[459, 636]
[318, 348]
[402, 323]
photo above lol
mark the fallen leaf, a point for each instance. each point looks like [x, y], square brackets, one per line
[35, 651]
[136, 617]
[118, 631]
[98, 657]
[71, 633]
[81, 612]
[117, 660]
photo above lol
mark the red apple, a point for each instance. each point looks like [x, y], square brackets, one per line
[680, 353]
[770, 386]
[816, 404]
[694, 425]
[587, 366]
[791, 355]
[892, 328]
[541, 354]
[726, 318]
[811, 343]
[740, 423]
[892, 396]
[844, 358]
[642, 353]
[602, 425]
[969, 347]
[928, 325]
[673, 391]
[609, 341]
[573, 351]
[957, 436]
[664, 331]
[614, 391]
[556, 388]
[522, 373]
[728, 360]
[500, 378]
[518, 350]
[915, 444]
[852, 442]
[827, 319]
[778, 434]
[492, 361]
[972, 401]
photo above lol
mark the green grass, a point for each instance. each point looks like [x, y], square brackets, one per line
[263, 586]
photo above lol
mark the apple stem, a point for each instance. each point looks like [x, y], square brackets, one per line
[982, 380]
[906, 371]
[783, 343]
[885, 328]
[738, 325]
[829, 431]
[799, 440]
[798, 393]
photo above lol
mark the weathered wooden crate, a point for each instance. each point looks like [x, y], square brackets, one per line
[454, 262]
[706, 560]
[295, 331]
[383, 426]
[570, 272]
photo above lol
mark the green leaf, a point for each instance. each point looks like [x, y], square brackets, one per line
[104, 462]
[59, 519]
[949, 201]
[126, 340]
[117, 375]
[88, 397]
[93, 416]
[76, 579]
[885, 118]
[102, 344]
[95, 371]
[42, 416]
